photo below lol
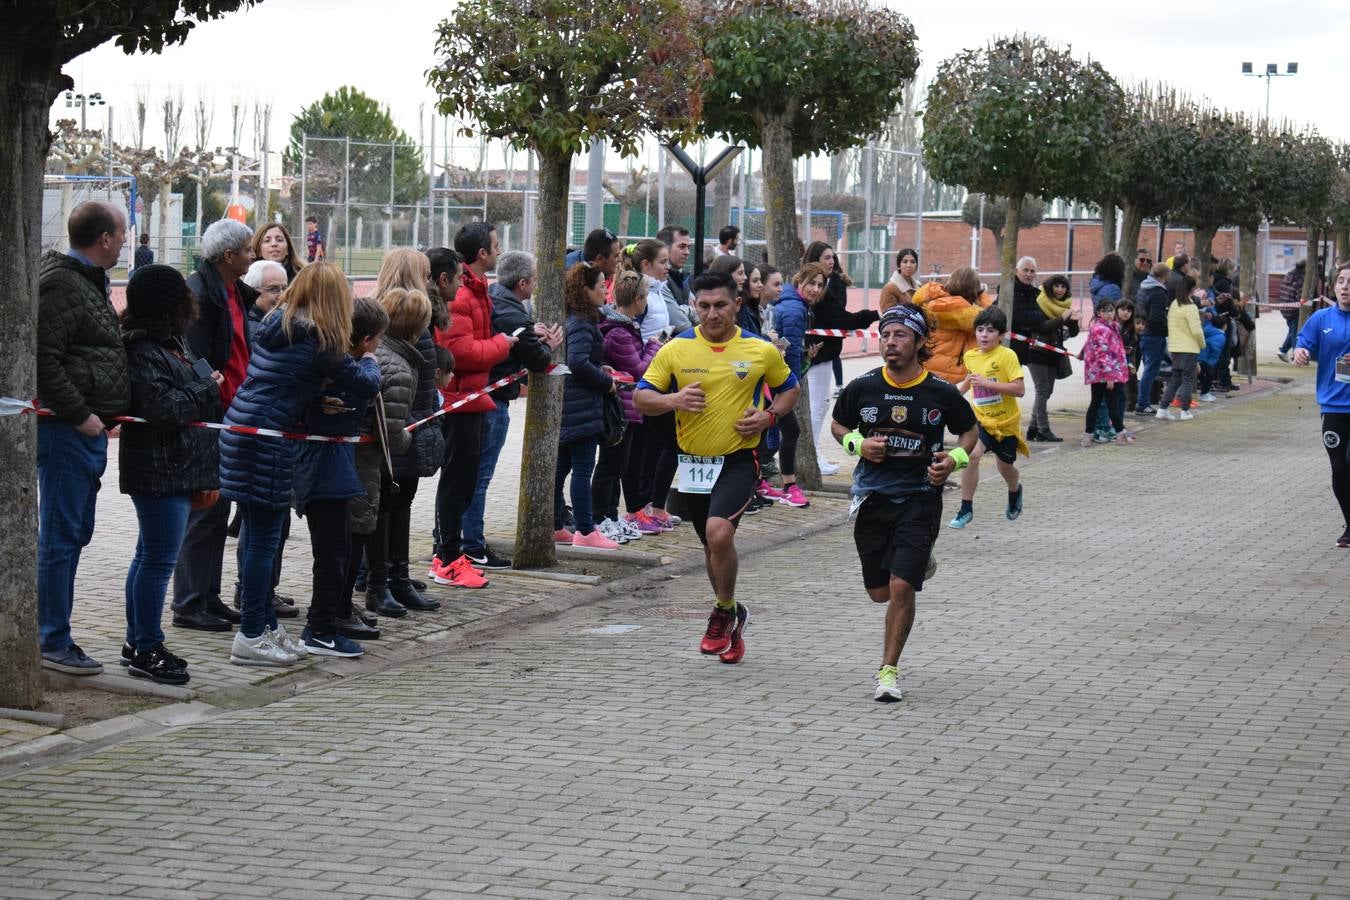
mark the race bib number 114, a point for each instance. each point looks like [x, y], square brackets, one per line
[698, 474]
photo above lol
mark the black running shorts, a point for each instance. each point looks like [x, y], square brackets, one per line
[897, 538]
[1004, 448]
[730, 496]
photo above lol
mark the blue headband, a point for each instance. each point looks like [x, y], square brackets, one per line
[909, 317]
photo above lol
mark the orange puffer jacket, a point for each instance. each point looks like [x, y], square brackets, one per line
[954, 329]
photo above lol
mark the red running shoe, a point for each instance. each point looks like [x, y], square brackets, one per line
[718, 636]
[736, 649]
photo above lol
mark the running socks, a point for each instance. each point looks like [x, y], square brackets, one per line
[729, 605]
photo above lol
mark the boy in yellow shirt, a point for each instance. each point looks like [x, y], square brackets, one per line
[995, 382]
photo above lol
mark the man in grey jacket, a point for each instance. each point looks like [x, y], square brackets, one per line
[510, 295]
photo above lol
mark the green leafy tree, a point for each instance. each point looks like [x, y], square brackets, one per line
[995, 215]
[799, 79]
[550, 75]
[1015, 118]
[335, 170]
[1207, 180]
[1303, 194]
[42, 39]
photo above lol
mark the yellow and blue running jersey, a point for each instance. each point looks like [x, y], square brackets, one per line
[732, 376]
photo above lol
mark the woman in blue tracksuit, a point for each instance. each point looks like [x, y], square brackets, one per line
[297, 351]
[1326, 339]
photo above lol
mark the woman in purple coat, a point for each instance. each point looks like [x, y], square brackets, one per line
[626, 353]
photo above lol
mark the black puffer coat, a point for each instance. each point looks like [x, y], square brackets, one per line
[831, 311]
[584, 393]
[399, 362]
[165, 458]
[284, 377]
[423, 457]
[81, 361]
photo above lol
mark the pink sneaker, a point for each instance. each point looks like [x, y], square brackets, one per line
[642, 522]
[769, 491]
[664, 521]
[793, 496]
[562, 536]
[595, 540]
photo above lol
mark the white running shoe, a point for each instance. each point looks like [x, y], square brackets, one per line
[259, 651]
[826, 467]
[612, 530]
[887, 690]
[1208, 397]
[1186, 415]
[1162, 413]
[286, 642]
[630, 531]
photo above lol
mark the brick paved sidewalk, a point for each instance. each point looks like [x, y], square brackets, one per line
[1138, 689]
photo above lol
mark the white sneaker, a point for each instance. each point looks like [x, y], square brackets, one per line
[612, 530]
[1161, 414]
[1186, 415]
[259, 651]
[1208, 398]
[285, 642]
[826, 467]
[887, 690]
[630, 531]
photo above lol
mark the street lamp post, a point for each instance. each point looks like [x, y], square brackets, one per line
[1272, 71]
[84, 101]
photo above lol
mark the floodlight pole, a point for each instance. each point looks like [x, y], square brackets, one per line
[1272, 71]
[701, 176]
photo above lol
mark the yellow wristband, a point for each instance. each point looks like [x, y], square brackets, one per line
[853, 442]
[962, 457]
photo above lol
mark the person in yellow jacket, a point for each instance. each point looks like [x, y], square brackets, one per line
[1185, 340]
[994, 384]
[952, 308]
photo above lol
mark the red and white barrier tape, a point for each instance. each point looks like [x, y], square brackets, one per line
[14, 406]
[859, 332]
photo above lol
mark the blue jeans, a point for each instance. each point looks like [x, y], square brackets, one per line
[1292, 337]
[163, 521]
[495, 425]
[69, 467]
[578, 457]
[260, 535]
[1151, 349]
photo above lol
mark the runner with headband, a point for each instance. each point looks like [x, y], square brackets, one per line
[894, 418]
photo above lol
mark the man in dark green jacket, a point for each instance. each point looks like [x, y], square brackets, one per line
[82, 377]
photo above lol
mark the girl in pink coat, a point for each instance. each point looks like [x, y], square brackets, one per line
[1106, 371]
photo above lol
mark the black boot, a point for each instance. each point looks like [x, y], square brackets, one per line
[1033, 433]
[356, 626]
[379, 601]
[405, 594]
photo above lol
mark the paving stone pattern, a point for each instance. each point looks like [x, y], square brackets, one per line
[1138, 689]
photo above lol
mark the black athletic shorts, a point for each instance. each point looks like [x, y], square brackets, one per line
[730, 496]
[897, 538]
[1004, 448]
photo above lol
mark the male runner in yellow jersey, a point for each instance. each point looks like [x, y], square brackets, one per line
[711, 377]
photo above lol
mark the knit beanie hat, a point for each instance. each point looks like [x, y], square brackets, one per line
[154, 290]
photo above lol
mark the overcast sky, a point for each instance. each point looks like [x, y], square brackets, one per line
[292, 51]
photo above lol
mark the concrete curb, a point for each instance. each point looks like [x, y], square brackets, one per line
[53, 747]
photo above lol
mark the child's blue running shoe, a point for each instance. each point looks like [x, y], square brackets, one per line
[962, 520]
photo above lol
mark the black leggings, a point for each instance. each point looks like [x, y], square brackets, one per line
[1336, 438]
[789, 430]
[1115, 406]
[658, 460]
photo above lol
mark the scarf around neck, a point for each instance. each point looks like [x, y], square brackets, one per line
[1052, 308]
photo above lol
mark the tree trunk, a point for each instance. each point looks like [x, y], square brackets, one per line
[24, 102]
[780, 226]
[1109, 219]
[1008, 253]
[1245, 364]
[1312, 275]
[780, 196]
[1204, 249]
[1131, 223]
[543, 407]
